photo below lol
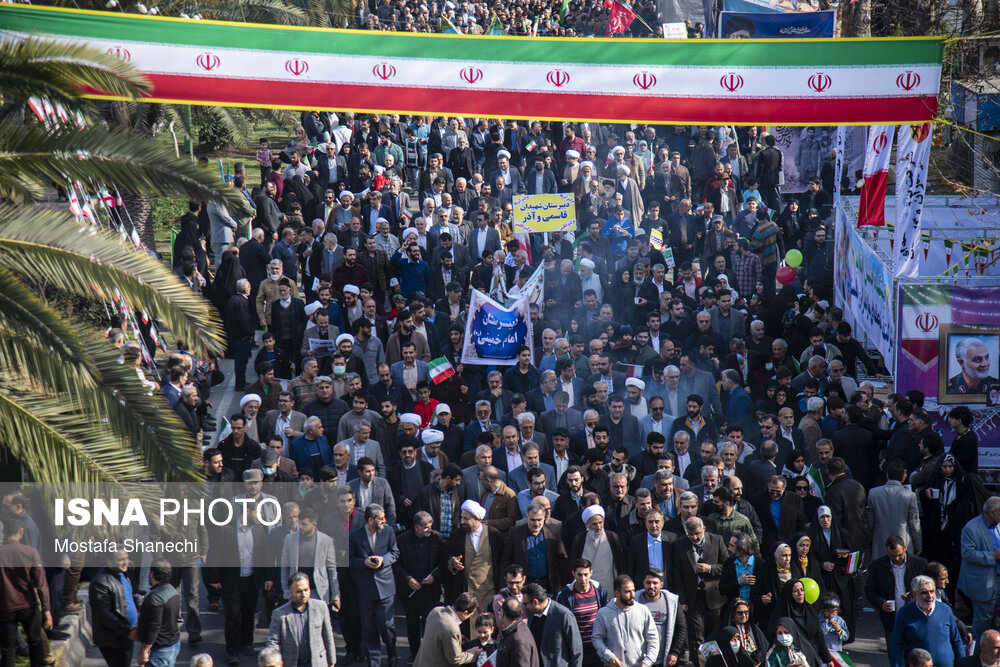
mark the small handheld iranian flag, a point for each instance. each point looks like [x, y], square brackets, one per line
[816, 485]
[531, 145]
[853, 562]
[490, 661]
[225, 429]
[441, 370]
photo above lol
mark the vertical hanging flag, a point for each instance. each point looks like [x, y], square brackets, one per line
[925, 240]
[949, 247]
[913, 152]
[440, 370]
[838, 169]
[871, 210]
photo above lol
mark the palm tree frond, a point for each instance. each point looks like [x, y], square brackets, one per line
[31, 154]
[60, 71]
[93, 263]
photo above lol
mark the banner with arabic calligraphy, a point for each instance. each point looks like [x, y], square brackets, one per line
[691, 81]
[863, 289]
[493, 332]
[544, 213]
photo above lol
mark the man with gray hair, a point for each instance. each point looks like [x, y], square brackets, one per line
[696, 571]
[361, 445]
[923, 624]
[978, 578]
[973, 359]
[240, 329]
[540, 399]
[205, 660]
[810, 426]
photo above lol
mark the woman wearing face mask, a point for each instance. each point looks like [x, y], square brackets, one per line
[790, 649]
[792, 605]
[737, 617]
[731, 650]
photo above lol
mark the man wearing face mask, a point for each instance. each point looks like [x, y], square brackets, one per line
[542, 180]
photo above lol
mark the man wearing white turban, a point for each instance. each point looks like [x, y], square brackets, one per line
[601, 548]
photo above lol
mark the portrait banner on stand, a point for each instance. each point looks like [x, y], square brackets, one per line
[544, 213]
[493, 332]
[804, 150]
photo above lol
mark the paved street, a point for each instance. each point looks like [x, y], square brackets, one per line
[869, 649]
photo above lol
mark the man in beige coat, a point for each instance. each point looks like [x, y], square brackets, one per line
[442, 642]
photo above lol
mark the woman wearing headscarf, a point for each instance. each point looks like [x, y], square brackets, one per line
[795, 464]
[739, 616]
[951, 500]
[777, 574]
[792, 605]
[804, 561]
[801, 486]
[298, 186]
[790, 648]
[830, 550]
[731, 651]
[190, 236]
[229, 271]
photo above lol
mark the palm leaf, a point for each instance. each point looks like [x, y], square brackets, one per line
[43, 356]
[93, 263]
[59, 71]
[29, 155]
[256, 11]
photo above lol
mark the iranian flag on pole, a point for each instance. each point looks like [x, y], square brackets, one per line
[853, 562]
[871, 210]
[440, 369]
[923, 309]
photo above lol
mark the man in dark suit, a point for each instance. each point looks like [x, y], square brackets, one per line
[540, 173]
[459, 254]
[881, 590]
[506, 172]
[554, 628]
[791, 518]
[407, 477]
[541, 398]
[789, 436]
[697, 568]
[288, 321]
[623, 428]
[848, 502]
[374, 210]
[554, 570]
[240, 593]
[419, 554]
[373, 551]
[254, 259]
[483, 238]
[855, 445]
[654, 542]
[445, 274]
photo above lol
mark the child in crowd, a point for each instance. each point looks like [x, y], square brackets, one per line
[751, 190]
[264, 159]
[306, 481]
[834, 628]
[486, 627]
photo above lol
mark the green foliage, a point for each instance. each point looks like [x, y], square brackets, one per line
[167, 211]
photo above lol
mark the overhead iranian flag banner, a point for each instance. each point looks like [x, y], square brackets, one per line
[701, 81]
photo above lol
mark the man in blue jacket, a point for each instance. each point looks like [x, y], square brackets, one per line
[927, 624]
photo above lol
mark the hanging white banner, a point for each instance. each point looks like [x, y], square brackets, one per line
[913, 150]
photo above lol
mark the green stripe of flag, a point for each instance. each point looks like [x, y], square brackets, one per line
[824, 53]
